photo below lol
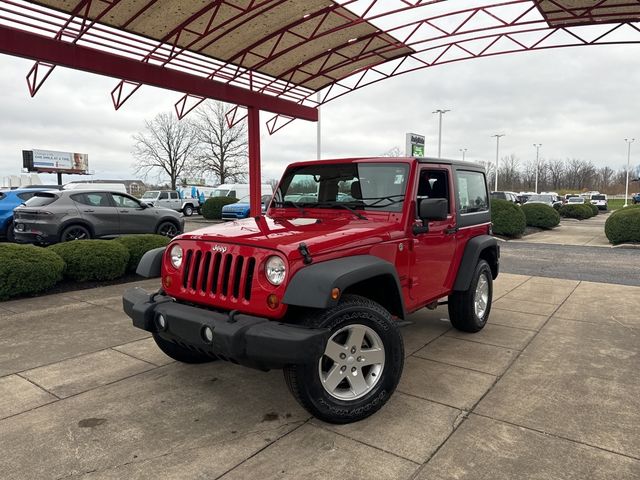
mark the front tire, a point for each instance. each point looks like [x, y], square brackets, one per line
[469, 310]
[187, 210]
[181, 354]
[361, 365]
[10, 233]
[167, 229]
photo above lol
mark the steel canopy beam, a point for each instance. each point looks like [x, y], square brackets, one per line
[37, 47]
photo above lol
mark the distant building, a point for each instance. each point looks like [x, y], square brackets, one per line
[134, 187]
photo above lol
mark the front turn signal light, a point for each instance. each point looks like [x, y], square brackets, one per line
[273, 301]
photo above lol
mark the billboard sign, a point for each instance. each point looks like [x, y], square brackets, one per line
[414, 146]
[50, 161]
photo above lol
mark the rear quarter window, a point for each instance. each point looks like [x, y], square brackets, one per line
[41, 199]
[472, 192]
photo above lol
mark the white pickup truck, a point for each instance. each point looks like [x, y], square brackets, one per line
[171, 199]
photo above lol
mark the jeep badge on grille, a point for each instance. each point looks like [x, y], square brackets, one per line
[219, 248]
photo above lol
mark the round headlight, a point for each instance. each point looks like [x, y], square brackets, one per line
[175, 256]
[275, 270]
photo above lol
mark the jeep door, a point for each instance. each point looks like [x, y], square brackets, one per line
[174, 201]
[134, 218]
[98, 209]
[433, 251]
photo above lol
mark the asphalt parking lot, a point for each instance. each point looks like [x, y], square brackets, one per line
[549, 389]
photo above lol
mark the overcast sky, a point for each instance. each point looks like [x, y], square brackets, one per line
[578, 102]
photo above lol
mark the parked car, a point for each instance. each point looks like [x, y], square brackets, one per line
[241, 209]
[577, 200]
[171, 199]
[635, 198]
[509, 196]
[238, 190]
[600, 200]
[61, 216]
[107, 187]
[545, 199]
[9, 200]
[319, 288]
[568, 196]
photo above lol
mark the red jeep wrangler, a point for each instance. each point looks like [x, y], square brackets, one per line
[319, 285]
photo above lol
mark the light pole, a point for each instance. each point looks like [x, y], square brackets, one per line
[497, 136]
[464, 151]
[626, 184]
[440, 113]
[537, 145]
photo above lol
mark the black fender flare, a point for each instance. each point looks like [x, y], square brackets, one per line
[472, 252]
[311, 286]
[150, 265]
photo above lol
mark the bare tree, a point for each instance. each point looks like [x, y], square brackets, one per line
[165, 146]
[556, 173]
[223, 150]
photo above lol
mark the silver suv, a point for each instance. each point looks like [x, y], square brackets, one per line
[61, 216]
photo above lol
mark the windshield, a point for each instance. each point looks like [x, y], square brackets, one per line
[150, 195]
[598, 197]
[41, 199]
[220, 193]
[540, 198]
[366, 186]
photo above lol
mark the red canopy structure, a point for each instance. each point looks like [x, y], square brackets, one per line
[276, 55]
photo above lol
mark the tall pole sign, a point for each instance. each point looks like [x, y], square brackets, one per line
[414, 145]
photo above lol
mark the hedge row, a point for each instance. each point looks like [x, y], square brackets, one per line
[578, 211]
[212, 208]
[508, 218]
[540, 215]
[26, 269]
[623, 225]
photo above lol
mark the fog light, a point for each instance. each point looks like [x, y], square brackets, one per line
[207, 334]
[335, 293]
[272, 301]
[161, 322]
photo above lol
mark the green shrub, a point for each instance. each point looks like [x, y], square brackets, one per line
[508, 218]
[92, 259]
[579, 211]
[594, 209]
[540, 215]
[212, 208]
[138, 245]
[26, 269]
[623, 226]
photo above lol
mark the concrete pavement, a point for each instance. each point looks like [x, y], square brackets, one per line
[549, 389]
[588, 232]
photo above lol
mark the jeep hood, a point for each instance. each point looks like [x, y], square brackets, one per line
[318, 233]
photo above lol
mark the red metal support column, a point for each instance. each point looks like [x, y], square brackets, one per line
[255, 176]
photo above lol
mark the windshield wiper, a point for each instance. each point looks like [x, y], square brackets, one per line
[389, 198]
[337, 204]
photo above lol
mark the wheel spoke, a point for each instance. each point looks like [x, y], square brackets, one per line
[334, 350]
[356, 336]
[357, 382]
[372, 356]
[333, 378]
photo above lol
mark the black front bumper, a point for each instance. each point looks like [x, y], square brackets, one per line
[244, 339]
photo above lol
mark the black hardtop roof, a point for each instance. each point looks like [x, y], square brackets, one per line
[446, 161]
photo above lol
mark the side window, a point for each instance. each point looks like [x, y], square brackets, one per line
[232, 194]
[472, 192]
[25, 196]
[433, 184]
[92, 199]
[124, 202]
[174, 196]
[163, 196]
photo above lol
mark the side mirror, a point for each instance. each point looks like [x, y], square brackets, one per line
[433, 209]
[144, 205]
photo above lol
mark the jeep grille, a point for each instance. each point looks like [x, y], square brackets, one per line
[219, 274]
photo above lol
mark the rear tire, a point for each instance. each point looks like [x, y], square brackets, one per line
[179, 353]
[469, 310]
[187, 210]
[360, 368]
[75, 232]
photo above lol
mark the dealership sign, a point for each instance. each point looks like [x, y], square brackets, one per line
[53, 161]
[414, 146]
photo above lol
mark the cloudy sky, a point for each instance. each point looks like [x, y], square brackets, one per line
[578, 102]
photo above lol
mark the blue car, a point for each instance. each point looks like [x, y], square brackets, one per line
[10, 199]
[241, 209]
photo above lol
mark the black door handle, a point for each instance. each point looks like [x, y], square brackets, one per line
[451, 231]
[88, 211]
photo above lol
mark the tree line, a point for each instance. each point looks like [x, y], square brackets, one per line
[556, 175]
[202, 147]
